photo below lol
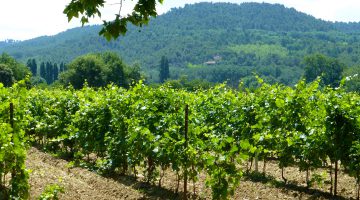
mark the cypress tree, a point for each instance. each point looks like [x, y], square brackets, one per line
[31, 64]
[34, 67]
[61, 67]
[42, 70]
[55, 72]
[49, 73]
[164, 69]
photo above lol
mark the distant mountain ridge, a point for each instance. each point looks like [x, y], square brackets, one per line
[274, 17]
[194, 34]
[263, 16]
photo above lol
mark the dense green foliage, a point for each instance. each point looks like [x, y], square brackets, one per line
[49, 71]
[164, 72]
[143, 128]
[32, 65]
[189, 85]
[140, 15]
[6, 75]
[13, 175]
[329, 69]
[98, 70]
[270, 40]
[353, 78]
[11, 70]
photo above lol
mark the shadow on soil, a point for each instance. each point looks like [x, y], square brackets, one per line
[314, 193]
[150, 191]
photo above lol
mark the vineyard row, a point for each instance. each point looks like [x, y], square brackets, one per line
[207, 131]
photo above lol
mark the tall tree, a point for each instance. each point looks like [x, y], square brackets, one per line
[19, 70]
[99, 70]
[164, 69]
[115, 68]
[55, 72]
[6, 75]
[31, 64]
[330, 69]
[42, 70]
[133, 74]
[61, 67]
[34, 67]
[88, 68]
[49, 73]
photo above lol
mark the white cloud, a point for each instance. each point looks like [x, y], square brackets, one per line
[25, 19]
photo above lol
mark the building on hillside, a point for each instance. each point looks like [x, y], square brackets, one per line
[210, 62]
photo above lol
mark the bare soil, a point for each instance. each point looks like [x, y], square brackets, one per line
[81, 184]
[78, 183]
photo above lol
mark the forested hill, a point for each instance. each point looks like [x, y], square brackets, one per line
[272, 17]
[214, 41]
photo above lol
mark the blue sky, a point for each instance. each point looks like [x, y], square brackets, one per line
[26, 19]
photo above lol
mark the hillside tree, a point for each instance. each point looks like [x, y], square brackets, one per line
[49, 73]
[6, 75]
[31, 64]
[98, 70]
[56, 72]
[61, 69]
[88, 68]
[42, 70]
[164, 69]
[352, 77]
[19, 70]
[115, 69]
[330, 69]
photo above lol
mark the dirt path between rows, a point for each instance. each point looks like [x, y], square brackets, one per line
[81, 184]
[78, 183]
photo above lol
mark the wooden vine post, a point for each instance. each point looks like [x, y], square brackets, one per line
[186, 147]
[336, 177]
[13, 172]
[12, 115]
[358, 186]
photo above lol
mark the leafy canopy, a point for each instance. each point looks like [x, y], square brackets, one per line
[142, 11]
[98, 70]
[6, 75]
[320, 65]
[11, 70]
